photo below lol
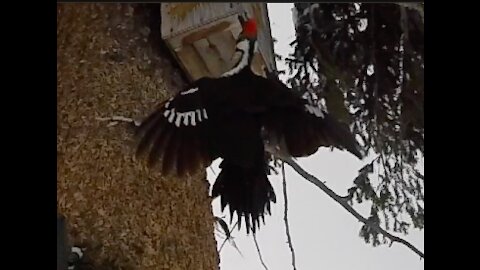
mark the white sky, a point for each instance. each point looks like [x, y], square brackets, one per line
[324, 235]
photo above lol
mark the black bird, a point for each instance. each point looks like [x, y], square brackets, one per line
[230, 117]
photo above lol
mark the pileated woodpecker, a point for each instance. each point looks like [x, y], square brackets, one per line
[230, 117]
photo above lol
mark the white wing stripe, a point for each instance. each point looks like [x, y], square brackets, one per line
[172, 116]
[190, 91]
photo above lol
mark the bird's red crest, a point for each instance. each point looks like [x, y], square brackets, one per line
[250, 28]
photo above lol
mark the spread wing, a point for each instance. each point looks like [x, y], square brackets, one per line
[300, 126]
[175, 134]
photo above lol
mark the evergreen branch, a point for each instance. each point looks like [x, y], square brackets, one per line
[343, 202]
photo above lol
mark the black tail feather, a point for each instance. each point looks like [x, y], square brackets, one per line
[247, 192]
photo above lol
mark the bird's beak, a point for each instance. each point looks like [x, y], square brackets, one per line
[241, 19]
[241, 36]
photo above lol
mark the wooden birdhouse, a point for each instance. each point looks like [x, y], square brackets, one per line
[202, 36]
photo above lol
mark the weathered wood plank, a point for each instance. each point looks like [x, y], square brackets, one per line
[210, 57]
[224, 43]
[224, 24]
[192, 63]
[182, 17]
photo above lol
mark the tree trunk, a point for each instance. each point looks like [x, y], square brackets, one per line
[110, 63]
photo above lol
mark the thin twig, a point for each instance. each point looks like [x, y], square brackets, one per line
[344, 203]
[285, 217]
[259, 253]
[228, 236]
[213, 171]
[119, 118]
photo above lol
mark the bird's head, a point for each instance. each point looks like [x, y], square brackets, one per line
[247, 40]
[246, 44]
[249, 28]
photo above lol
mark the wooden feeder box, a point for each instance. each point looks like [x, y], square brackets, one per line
[202, 36]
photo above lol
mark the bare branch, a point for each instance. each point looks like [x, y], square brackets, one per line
[259, 253]
[228, 236]
[118, 118]
[343, 202]
[285, 217]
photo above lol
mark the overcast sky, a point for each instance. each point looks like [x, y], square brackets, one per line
[324, 235]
